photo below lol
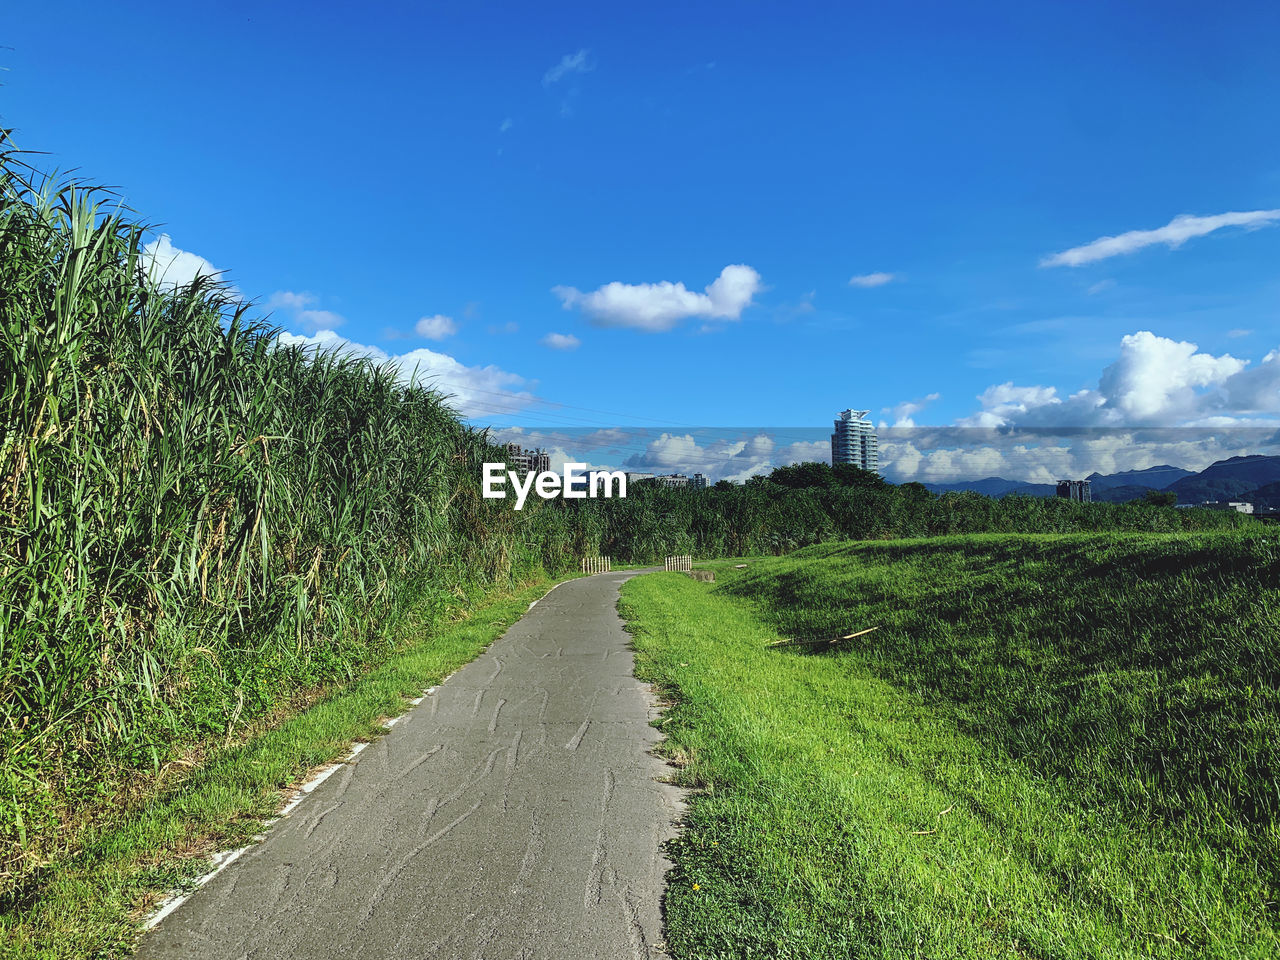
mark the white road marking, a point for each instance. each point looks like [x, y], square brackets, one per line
[222, 860]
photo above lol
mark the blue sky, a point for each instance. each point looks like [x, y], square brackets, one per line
[510, 195]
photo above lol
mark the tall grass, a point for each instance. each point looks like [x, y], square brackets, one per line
[194, 520]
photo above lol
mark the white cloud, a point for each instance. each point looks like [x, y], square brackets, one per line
[648, 450]
[947, 455]
[931, 454]
[804, 451]
[569, 63]
[1173, 234]
[1237, 333]
[903, 412]
[436, 328]
[1100, 286]
[288, 300]
[560, 448]
[720, 459]
[660, 306]
[505, 125]
[872, 279]
[561, 341]
[1154, 381]
[300, 306]
[1160, 401]
[1256, 391]
[168, 266]
[474, 391]
[1155, 378]
[1002, 403]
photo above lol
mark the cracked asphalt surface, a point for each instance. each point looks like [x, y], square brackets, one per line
[515, 813]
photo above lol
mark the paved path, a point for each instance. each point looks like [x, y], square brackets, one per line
[514, 813]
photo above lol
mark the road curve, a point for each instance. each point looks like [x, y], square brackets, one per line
[515, 813]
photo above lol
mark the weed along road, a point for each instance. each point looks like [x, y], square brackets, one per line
[515, 812]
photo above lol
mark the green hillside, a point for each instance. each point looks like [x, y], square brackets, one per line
[1063, 746]
[1233, 479]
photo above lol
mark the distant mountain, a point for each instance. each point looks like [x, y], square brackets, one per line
[996, 487]
[1121, 494]
[1233, 479]
[1266, 497]
[1152, 478]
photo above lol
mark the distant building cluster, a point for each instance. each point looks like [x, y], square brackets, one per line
[671, 480]
[1075, 490]
[1223, 505]
[854, 441]
[528, 461]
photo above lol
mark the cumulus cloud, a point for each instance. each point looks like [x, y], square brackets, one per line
[1255, 391]
[561, 341]
[902, 413]
[804, 451]
[930, 454]
[1173, 234]
[473, 391]
[436, 327]
[872, 279]
[569, 63]
[655, 307]
[945, 455]
[1160, 401]
[301, 308]
[1155, 381]
[169, 266]
[716, 452]
[561, 448]
[718, 458]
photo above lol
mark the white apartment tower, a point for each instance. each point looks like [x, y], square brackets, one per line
[855, 442]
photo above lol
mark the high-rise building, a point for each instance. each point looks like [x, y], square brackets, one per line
[528, 461]
[1075, 490]
[698, 482]
[854, 441]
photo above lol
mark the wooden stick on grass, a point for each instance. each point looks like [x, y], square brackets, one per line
[804, 643]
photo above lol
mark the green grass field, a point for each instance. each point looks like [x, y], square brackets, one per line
[1053, 746]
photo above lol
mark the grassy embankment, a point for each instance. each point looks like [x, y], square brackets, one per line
[1061, 746]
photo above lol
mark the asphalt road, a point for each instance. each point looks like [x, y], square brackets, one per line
[515, 813]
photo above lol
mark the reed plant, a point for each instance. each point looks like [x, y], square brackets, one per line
[195, 520]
